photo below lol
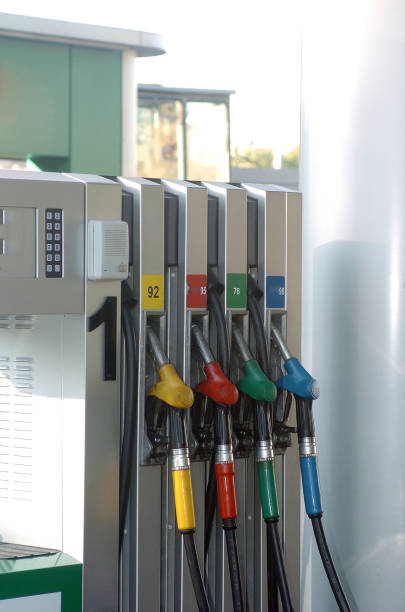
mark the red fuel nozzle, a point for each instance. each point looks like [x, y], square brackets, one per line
[217, 386]
[225, 473]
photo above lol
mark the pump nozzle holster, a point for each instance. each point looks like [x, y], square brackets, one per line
[217, 386]
[255, 383]
[171, 389]
[298, 380]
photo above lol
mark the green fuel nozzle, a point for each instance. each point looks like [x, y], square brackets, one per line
[255, 383]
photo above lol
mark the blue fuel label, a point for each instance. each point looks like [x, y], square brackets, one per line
[275, 292]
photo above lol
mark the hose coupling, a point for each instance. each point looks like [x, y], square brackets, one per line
[307, 447]
[264, 450]
[223, 453]
[179, 459]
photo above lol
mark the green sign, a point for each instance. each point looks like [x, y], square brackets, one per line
[236, 291]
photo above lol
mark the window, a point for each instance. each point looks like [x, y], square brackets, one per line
[207, 128]
[160, 139]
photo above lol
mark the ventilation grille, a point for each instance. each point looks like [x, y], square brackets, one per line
[116, 240]
[16, 390]
[18, 322]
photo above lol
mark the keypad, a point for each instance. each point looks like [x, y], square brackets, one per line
[54, 242]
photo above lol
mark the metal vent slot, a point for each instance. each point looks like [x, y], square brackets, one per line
[16, 384]
[115, 242]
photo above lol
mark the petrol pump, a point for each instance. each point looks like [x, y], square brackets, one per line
[63, 255]
[169, 220]
[143, 209]
[186, 274]
[227, 260]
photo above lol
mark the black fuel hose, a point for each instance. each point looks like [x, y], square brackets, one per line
[214, 305]
[210, 504]
[328, 564]
[260, 335]
[223, 436]
[195, 572]
[276, 574]
[178, 440]
[229, 526]
[128, 438]
[272, 591]
[273, 542]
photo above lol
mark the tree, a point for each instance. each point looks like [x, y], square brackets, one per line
[251, 157]
[291, 159]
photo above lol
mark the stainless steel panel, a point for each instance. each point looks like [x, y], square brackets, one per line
[232, 229]
[232, 258]
[192, 259]
[18, 233]
[102, 427]
[31, 415]
[38, 191]
[279, 254]
[144, 542]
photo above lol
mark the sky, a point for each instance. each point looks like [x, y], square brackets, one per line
[251, 47]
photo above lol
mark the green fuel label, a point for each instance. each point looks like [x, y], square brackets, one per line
[236, 291]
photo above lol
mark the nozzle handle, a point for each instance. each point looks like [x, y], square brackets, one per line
[285, 353]
[242, 345]
[202, 344]
[156, 347]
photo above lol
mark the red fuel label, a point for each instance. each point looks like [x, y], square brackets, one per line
[196, 291]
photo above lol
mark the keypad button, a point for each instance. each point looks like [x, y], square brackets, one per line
[53, 244]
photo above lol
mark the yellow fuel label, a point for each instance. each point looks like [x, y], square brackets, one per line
[152, 292]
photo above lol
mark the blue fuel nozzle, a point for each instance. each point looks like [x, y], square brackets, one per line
[298, 380]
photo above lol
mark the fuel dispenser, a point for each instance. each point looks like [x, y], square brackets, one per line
[227, 259]
[274, 296]
[63, 255]
[186, 273]
[210, 304]
[143, 209]
[169, 221]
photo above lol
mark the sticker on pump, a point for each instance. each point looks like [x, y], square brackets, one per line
[152, 292]
[196, 291]
[275, 292]
[236, 291]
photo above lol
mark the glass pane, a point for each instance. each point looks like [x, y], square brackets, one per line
[207, 141]
[160, 140]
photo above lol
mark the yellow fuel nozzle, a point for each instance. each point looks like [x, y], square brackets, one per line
[171, 389]
[183, 497]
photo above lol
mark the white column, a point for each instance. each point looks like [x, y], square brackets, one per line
[353, 181]
[129, 113]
